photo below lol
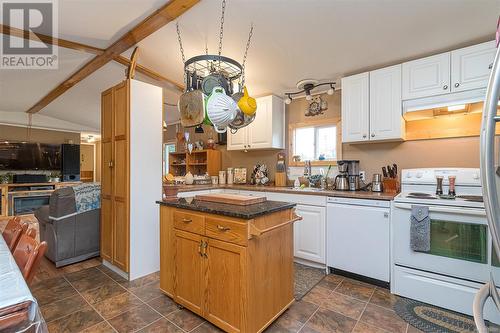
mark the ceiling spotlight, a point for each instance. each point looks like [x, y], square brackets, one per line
[288, 100]
[331, 90]
[199, 129]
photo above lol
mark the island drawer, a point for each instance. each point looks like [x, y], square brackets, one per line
[190, 222]
[227, 230]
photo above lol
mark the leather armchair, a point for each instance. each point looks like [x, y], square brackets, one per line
[71, 236]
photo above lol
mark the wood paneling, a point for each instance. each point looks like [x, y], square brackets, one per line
[188, 289]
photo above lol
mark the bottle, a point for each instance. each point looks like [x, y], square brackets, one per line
[222, 177]
[189, 178]
[451, 190]
[230, 176]
[439, 187]
[296, 183]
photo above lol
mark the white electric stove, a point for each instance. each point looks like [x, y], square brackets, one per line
[459, 261]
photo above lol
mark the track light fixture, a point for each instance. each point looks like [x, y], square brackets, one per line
[307, 86]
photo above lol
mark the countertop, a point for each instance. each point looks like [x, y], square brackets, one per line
[243, 212]
[264, 188]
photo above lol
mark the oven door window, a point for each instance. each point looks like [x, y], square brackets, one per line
[464, 241]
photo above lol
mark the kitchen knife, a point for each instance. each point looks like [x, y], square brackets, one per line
[389, 170]
[384, 172]
[395, 169]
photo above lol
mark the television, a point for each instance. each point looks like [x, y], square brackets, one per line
[29, 156]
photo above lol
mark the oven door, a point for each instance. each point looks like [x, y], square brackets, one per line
[460, 242]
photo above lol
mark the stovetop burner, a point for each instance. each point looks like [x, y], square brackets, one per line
[419, 194]
[474, 198]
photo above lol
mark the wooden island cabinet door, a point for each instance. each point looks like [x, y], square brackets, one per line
[225, 284]
[188, 281]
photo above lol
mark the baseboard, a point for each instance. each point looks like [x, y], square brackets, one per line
[362, 278]
[115, 269]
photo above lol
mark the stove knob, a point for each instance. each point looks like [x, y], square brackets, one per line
[409, 175]
[475, 176]
[419, 175]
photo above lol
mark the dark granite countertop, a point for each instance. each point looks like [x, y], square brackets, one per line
[242, 212]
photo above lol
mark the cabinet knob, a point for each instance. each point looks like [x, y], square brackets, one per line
[373, 135]
[490, 66]
[364, 136]
[248, 146]
[445, 87]
[457, 85]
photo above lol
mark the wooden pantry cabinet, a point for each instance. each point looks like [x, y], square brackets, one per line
[236, 273]
[131, 117]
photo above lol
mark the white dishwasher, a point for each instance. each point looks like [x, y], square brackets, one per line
[358, 236]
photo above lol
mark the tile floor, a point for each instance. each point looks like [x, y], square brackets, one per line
[95, 299]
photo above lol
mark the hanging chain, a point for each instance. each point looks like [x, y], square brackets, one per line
[221, 33]
[180, 43]
[250, 34]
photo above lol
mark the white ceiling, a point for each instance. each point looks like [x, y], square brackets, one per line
[293, 39]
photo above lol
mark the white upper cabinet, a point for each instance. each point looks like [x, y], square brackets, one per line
[471, 66]
[267, 131]
[355, 108]
[386, 121]
[371, 106]
[427, 76]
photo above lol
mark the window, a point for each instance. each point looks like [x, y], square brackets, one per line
[318, 143]
[167, 149]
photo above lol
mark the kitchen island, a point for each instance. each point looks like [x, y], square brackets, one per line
[232, 265]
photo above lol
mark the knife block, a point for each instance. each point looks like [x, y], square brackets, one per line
[391, 185]
[280, 179]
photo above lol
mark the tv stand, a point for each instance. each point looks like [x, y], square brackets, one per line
[24, 198]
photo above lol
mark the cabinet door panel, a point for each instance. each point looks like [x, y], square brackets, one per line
[188, 285]
[121, 235]
[107, 115]
[224, 284]
[309, 233]
[260, 130]
[167, 249]
[427, 76]
[120, 169]
[238, 140]
[121, 110]
[106, 179]
[106, 229]
[385, 104]
[470, 66]
[355, 108]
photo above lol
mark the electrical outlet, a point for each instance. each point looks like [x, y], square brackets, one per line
[362, 175]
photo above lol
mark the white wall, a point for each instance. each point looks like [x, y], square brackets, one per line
[145, 177]
[42, 121]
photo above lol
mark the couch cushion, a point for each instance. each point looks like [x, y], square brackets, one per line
[62, 202]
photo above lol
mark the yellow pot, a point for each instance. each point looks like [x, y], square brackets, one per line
[247, 104]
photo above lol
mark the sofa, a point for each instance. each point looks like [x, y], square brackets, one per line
[71, 232]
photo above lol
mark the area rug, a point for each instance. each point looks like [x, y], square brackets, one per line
[306, 278]
[428, 318]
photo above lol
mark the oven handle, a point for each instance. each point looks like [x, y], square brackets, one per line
[461, 211]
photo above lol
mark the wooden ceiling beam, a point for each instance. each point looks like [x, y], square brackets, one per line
[6, 30]
[162, 16]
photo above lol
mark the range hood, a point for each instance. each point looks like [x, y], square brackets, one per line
[422, 108]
